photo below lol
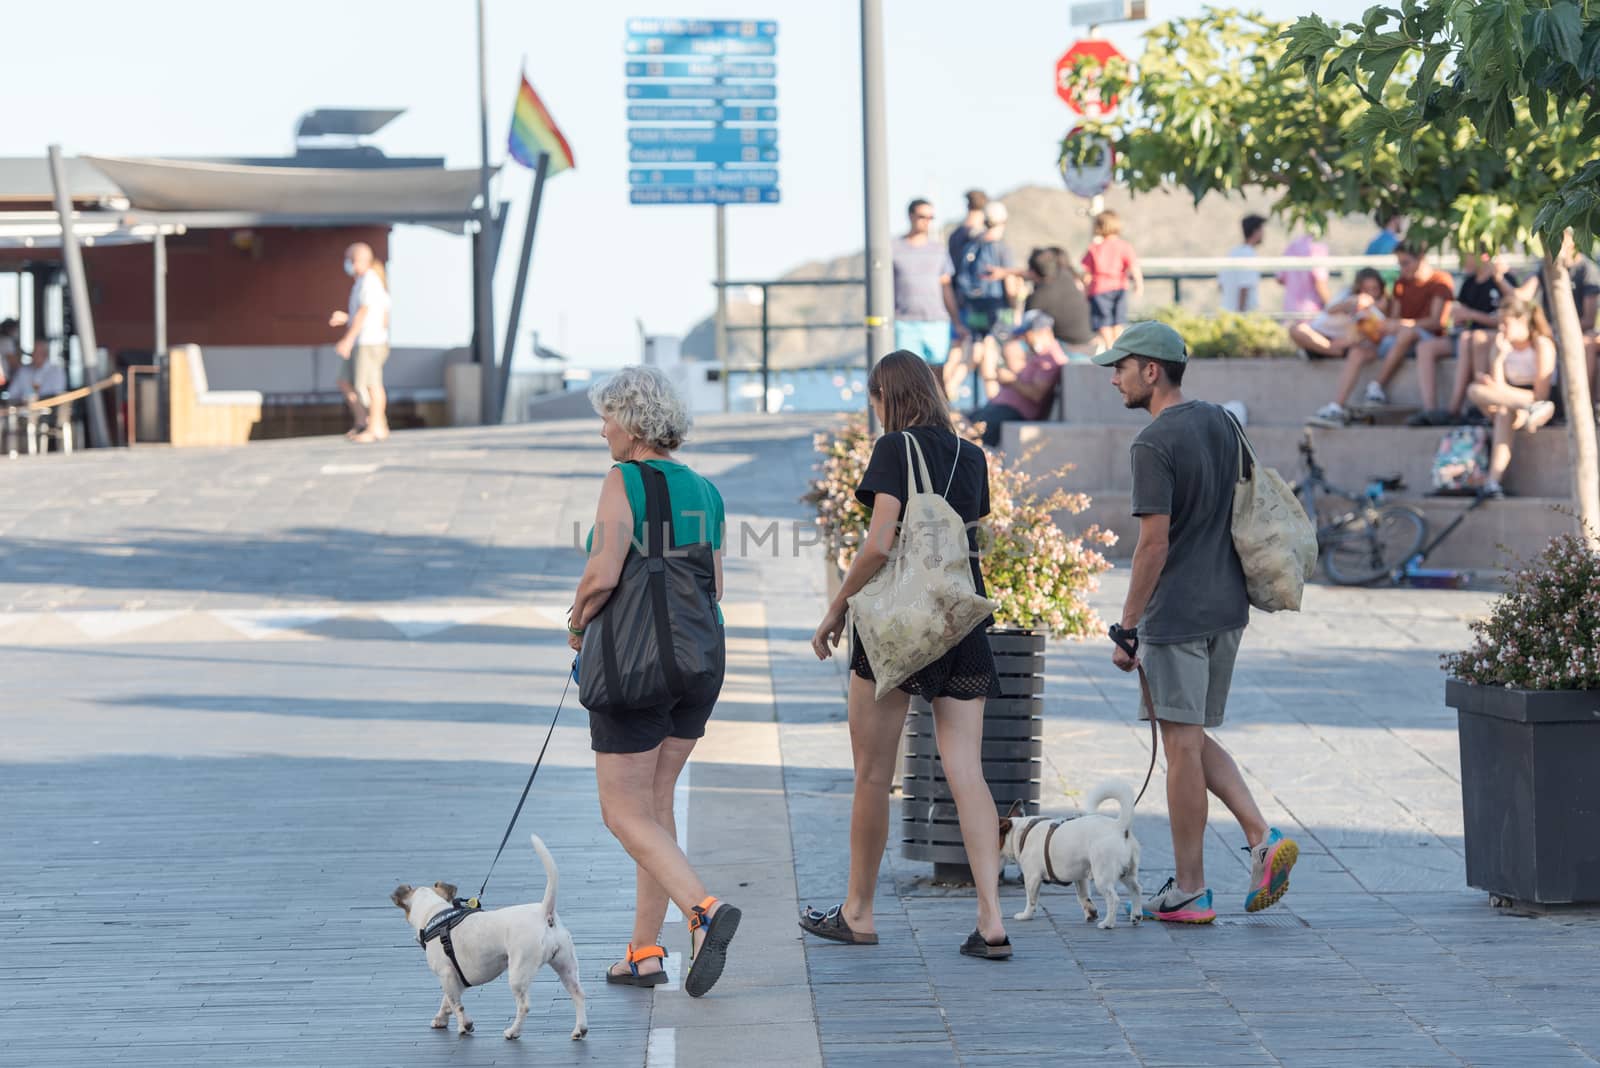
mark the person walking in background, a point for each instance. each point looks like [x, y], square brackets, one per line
[1241, 288]
[1515, 392]
[1305, 293]
[639, 756]
[1110, 269]
[984, 279]
[907, 399]
[1391, 231]
[1185, 612]
[1058, 292]
[924, 300]
[971, 228]
[10, 350]
[365, 345]
[1027, 378]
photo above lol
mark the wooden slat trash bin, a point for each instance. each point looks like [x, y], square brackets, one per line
[1013, 745]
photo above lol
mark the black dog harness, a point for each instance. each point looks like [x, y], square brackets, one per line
[440, 927]
[1022, 843]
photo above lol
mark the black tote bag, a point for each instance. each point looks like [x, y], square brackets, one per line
[658, 638]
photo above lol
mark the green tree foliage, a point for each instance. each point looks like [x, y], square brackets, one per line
[1476, 119]
[1522, 74]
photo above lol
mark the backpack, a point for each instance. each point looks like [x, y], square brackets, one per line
[978, 256]
[1275, 539]
[658, 638]
[1461, 464]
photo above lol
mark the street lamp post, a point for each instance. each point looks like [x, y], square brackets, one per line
[483, 249]
[875, 153]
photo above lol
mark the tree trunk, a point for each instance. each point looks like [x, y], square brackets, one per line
[1579, 404]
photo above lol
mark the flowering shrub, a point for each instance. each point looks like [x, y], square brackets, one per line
[1543, 633]
[1036, 573]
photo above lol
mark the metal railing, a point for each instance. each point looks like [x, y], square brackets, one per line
[766, 326]
[1175, 270]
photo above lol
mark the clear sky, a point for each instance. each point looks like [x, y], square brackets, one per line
[970, 104]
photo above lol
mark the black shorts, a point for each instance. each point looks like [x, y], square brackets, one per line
[642, 730]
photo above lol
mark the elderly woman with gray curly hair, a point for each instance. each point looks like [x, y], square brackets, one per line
[640, 753]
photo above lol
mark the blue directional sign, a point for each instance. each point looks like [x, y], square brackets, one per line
[703, 135]
[696, 194]
[700, 69]
[702, 117]
[692, 113]
[702, 91]
[704, 154]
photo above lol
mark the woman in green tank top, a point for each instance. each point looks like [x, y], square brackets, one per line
[639, 755]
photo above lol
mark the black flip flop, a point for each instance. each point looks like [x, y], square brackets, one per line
[975, 946]
[713, 953]
[831, 925]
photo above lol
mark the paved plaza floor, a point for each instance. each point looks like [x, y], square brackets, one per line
[247, 692]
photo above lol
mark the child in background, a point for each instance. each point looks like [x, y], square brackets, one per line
[1110, 269]
[1355, 317]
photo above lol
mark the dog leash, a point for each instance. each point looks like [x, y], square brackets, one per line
[1150, 711]
[473, 902]
[1130, 645]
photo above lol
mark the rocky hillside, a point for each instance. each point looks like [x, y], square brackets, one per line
[1159, 224]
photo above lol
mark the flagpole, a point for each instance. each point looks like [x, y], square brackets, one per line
[510, 347]
[483, 302]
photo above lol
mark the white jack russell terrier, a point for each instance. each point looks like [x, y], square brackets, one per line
[472, 947]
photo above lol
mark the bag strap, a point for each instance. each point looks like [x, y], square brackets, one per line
[953, 465]
[921, 463]
[1244, 445]
[658, 512]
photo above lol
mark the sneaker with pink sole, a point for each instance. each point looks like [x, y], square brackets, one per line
[1270, 861]
[1171, 905]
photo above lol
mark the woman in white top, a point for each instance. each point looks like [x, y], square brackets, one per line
[1516, 391]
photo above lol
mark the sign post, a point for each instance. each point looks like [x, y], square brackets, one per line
[702, 111]
[1077, 88]
[703, 125]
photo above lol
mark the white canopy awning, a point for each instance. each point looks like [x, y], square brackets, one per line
[292, 194]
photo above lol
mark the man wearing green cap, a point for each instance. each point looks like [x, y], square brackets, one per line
[1185, 612]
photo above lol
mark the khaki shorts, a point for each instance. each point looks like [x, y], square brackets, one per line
[1189, 680]
[364, 368]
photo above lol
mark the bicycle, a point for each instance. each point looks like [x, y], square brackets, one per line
[1361, 538]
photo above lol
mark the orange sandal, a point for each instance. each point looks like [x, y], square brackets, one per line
[720, 927]
[634, 978]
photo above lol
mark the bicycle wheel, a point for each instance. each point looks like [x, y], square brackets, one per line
[1372, 544]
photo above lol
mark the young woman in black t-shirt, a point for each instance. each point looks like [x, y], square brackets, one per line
[908, 400]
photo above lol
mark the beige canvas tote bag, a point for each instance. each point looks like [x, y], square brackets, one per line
[1272, 534]
[922, 602]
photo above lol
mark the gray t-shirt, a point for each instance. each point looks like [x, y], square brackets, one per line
[918, 274]
[1185, 464]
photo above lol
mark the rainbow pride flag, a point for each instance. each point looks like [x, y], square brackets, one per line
[533, 131]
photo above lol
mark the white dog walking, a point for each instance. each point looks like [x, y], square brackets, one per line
[471, 947]
[1072, 850]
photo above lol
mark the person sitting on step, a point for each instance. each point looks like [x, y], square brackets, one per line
[1515, 394]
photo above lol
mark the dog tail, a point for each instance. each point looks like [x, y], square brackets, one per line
[1124, 796]
[552, 879]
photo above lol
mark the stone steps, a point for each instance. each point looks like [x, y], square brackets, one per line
[1491, 538]
[1275, 392]
[1541, 464]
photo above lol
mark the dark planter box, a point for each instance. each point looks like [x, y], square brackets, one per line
[1530, 791]
[1013, 744]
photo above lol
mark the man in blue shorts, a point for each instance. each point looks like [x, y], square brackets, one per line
[924, 302]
